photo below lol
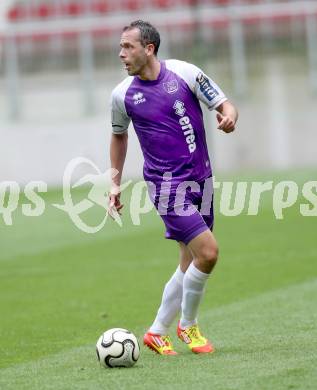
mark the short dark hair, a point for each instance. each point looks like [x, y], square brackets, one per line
[148, 33]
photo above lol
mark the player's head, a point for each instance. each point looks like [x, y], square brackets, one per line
[139, 43]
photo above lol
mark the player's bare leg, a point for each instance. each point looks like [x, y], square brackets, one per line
[156, 338]
[185, 257]
[205, 252]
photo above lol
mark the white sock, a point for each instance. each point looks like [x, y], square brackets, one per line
[193, 289]
[170, 305]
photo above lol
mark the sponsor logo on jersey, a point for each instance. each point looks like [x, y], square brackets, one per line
[185, 124]
[179, 108]
[206, 88]
[171, 86]
[138, 98]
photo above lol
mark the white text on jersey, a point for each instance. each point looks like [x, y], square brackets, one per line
[187, 127]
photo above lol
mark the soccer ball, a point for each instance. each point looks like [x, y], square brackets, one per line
[117, 347]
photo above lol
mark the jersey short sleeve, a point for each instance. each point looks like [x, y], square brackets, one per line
[119, 117]
[206, 90]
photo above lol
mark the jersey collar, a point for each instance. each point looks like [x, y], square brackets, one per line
[153, 82]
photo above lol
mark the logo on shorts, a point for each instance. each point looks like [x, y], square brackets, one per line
[171, 86]
[138, 98]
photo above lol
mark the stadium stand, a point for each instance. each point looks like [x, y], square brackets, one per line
[46, 9]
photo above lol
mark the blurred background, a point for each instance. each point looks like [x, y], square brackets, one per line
[59, 62]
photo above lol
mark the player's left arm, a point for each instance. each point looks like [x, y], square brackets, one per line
[227, 116]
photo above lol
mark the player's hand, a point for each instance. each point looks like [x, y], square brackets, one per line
[114, 205]
[225, 123]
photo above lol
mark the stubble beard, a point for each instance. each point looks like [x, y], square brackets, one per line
[136, 70]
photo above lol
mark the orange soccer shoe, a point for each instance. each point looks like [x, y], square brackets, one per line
[193, 338]
[159, 344]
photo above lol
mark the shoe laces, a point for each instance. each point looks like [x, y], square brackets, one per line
[166, 340]
[193, 332]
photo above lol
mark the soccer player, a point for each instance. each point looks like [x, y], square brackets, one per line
[162, 100]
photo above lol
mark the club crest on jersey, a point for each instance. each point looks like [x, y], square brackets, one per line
[171, 86]
[138, 98]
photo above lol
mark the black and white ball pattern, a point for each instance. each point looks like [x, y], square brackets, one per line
[117, 347]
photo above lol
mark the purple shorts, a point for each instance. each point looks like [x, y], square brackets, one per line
[186, 211]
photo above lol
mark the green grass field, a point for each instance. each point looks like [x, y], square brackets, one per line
[61, 288]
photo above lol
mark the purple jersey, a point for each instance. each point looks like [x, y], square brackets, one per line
[168, 119]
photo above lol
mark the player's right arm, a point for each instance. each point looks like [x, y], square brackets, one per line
[118, 152]
[118, 145]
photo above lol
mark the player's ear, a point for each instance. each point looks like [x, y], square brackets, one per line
[149, 49]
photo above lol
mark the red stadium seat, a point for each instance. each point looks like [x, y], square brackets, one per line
[16, 13]
[100, 7]
[162, 3]
[132, 5]
[74, 8]
[44, 11]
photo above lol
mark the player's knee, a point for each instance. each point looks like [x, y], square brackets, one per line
[209, 255]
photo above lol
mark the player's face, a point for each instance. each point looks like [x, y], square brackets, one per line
[133, 54]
